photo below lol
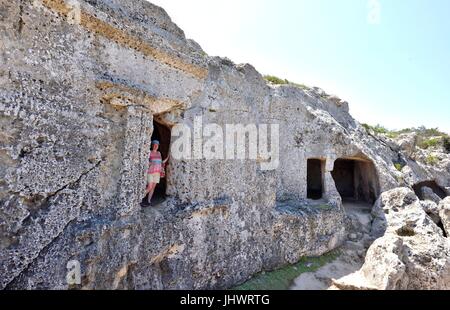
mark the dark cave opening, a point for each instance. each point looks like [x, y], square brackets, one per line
[315, 178]
[441, 226]
[163, 134]
[431, 184]
[356, 180]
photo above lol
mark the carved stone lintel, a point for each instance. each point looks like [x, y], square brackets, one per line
[121, 95]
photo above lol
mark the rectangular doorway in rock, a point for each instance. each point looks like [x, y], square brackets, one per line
[356, 180]
[315, 178]
[162, 133]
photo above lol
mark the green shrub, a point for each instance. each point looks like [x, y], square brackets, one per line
[366, 126]
[276, 80]
[424, 132]
[398, 166]
[393, 134]
[446, 143]
[427, 143]
[432, 160]
[378, 129]
[430, 132]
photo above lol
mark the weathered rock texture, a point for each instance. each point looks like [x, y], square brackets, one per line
[411, 253]
[444, 214]
[81, 83]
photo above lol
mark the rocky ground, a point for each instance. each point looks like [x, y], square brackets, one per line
[352, 253]
[403, 242]
[412, 250]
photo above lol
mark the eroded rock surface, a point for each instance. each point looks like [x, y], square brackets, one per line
[444, 214]
[82, 83]
[351, 253]
[412, 253]
[428, 194]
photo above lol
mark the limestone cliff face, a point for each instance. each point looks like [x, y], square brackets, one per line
[81, 84]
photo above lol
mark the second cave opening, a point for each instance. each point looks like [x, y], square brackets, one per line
[356, 180]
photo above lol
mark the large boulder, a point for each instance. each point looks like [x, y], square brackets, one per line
[429, 194]
[444, 214]
[432, 209]
[407, 142]
[413, 253]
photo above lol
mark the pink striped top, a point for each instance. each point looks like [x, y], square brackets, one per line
[155, 163]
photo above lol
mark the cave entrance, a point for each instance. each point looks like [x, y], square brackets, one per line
[315, 178]
[163, 134]
[356, 180]
[431, 184]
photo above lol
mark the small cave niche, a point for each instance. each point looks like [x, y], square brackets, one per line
[431, 184]
[356, 180]
[441, 226]
[315, 178]
[162, 133]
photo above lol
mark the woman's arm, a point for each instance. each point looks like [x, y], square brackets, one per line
[165, 160]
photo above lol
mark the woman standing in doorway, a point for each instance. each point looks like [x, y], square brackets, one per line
[154, 172]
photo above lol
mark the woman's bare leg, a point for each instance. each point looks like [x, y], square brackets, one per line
[151, 190]
[148, 189]
[151, 194]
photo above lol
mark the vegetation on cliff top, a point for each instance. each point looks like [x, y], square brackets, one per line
[277, 81]
[426, 137]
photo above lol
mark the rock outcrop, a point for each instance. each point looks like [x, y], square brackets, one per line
[432, 209]
[428, 194]
[444, 214]
[407, 143]
[412, 252]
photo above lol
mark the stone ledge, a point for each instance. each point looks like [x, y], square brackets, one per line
[122, 95]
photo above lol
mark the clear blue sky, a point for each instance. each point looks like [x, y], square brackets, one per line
[390, 61]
